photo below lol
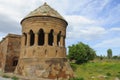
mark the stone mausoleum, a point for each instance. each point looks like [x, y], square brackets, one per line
[40, 50]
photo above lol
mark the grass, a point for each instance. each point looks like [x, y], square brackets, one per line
[98, 70]
[77, 79]
[13, 78]
[6, 76]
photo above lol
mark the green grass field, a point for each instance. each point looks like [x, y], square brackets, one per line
[98, 70]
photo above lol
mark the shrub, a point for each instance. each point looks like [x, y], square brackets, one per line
[81, 53]
[119, 72]
[108, 74]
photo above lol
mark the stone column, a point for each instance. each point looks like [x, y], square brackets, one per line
[28, 39]
[46, 39]
[62, 41]
[36, 39]
[55, 39]
[23, 41]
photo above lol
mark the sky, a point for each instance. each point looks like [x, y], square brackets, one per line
[93, 22]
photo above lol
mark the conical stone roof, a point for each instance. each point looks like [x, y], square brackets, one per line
[44, 10]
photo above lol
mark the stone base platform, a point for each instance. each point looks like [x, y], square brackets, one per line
[46, 68]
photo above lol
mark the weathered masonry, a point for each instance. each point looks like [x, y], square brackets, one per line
[9, 52]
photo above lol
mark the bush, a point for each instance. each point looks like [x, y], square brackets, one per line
[108, 74]
[81, 53]
[119, 72]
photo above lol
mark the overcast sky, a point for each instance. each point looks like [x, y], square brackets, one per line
[94, 22]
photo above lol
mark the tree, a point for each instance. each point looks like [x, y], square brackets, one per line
[101, 57]
[109, 53]
[115, 57]
[81, 53]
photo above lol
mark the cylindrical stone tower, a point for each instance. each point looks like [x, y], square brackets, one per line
[43, 52]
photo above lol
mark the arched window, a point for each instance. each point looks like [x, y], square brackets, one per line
[25, 37]
[32, 36]
[50, 38]
[41, 37]
[15, 61]
[58, 38]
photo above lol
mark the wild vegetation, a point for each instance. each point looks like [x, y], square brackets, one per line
[109, 53]
[97, 70]
[81, 53]
[12, 77]
[89, 66]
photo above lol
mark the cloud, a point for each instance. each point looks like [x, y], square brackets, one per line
[109, 16]
[93, 7]
[87, 33]
[115, 29]
[80, 26]
[110, 43]
[2, 35]
[75, 19]
[7, 25]
[1, 38]
[17, 9]
[12, 12]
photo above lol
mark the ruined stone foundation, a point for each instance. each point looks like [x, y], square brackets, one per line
[48, 68]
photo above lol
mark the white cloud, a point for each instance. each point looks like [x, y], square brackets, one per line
[80, 26]
[87, 33]
[115, 29]
[111, 43]
[94, 7]
[17, 9]
[0, 38]
[111, 16]
[75, 19]
[92, 32]
[2, 35]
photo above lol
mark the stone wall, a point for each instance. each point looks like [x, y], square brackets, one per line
[51, 68]
[3, 52]
[43, 52]
[46, 50]
[46, 23]
[10, 51]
